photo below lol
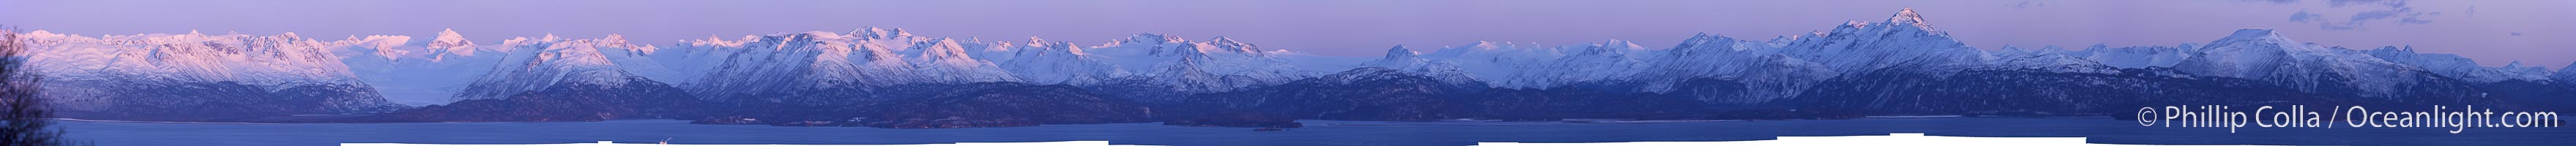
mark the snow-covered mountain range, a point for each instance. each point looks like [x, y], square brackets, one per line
[536, 64]
[871, 58]
[425, 73]
[2565, 75]
[869, 64]
[194, 75]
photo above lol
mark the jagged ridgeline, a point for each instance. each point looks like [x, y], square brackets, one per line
[199, 77]
[892, 78]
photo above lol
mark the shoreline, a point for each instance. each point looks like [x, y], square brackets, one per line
[1573, 121]
[153, 122]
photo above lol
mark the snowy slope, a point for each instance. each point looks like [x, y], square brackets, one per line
[2049, 59]
[2138, 56]
[1398, 57]
[1769, 75]
[868, 58]
[1161, 68]
[433, 73]
[2565, 75]
[91, 73]
[1170, 58]
[1057, 62]
[1406, 60]
[449, 44]
[1777, 68]
[2517, 71]
[877, 58]
[1787, 66]
[1904, 40]
[535, 64]
[946, 60]
[1529, 65]
[277, 60]
[2268, 56]
[2455, 66]
[1496, 62]
[1583, 63]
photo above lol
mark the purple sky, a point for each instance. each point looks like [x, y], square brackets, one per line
[2494, 32]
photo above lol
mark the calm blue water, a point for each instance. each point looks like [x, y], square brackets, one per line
[1319, 133]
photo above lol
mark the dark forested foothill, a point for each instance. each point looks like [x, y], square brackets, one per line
[571, 102]
[992, 104]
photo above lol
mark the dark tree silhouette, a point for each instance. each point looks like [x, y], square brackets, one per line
[24, 118]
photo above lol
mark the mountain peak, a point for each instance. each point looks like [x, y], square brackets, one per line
[872, 32]
[1221, 42]
[2012, 49]
[2517, 64]
[2254, 34]
[1704, 42]
[1042, 45]
[1620, 43]
[2261, 36]
[614, 38]
[1400, 53]
[1611, 47]
[449, 38]
[449, 42]
[1150, 38]
[942, 49]
[1222, 39]
[2395, 49]
[449, 35]
[2566, 74]
[1906, 16]
[2570, 69]
[1398, 57]
[1902, 19]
